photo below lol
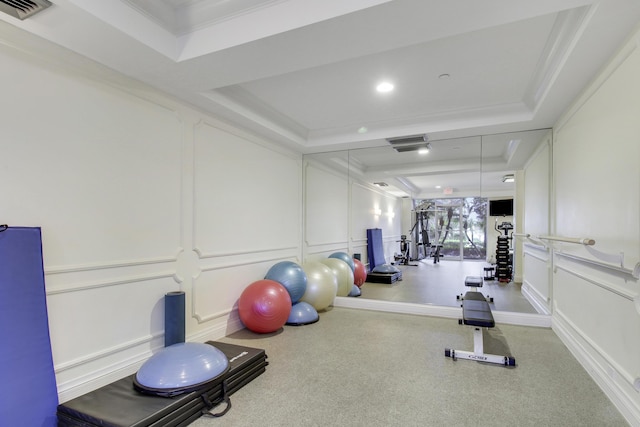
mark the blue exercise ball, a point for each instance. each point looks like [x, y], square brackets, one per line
[346, 258]
[291, 276]
[181, 367]
[302, 313]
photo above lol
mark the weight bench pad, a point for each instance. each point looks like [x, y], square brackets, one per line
[475, 281]
[476, 311]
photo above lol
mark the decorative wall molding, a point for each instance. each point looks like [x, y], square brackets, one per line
[252, 261]
[539, 248]
[535, 298]
[204, 255]
[603, 265]
[103, 373]
[106, 283]
[613, 288]
[209, 317]
[107, 265]
[219, 329]
[106, 352]
[583, 349]
[317, 245]
[107, 374]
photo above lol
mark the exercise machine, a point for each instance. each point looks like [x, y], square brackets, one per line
[422, 243]
[404, 257]
[504, 268]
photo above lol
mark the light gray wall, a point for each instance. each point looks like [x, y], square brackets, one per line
[595, 193]
[339, 208]
[137, 195]
[536, 260]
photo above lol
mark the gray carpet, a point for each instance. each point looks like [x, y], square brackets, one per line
[365, 368]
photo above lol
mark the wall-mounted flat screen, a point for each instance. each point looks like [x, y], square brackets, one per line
[501, 207]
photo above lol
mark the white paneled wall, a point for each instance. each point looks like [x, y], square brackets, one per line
[137, 195]
[536, 279]
[366, 203]
[339, 209]
[596, 295]
[326, 212]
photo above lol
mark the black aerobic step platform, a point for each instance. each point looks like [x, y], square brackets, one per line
[119, 405]
[384, 277]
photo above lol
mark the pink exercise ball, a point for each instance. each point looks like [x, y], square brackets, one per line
[264, 306]
[360, 273]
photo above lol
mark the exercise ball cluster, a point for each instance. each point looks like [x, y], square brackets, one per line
[292, 294]
[267, 305]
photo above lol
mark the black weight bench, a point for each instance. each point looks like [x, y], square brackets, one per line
[477, 313]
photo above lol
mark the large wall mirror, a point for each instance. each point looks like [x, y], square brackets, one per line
[431, 199]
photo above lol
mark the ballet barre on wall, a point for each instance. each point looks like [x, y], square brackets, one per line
[614, 262]
[578, 240]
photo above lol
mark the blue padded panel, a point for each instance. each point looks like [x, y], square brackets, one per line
[29, 396]
[375, 251]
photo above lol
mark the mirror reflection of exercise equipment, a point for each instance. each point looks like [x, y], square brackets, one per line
[423, 245]
[504, 256]
[451, 227]
[405, 257]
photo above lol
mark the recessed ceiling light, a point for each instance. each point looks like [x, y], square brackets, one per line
[424, 150]
[438, 186]
[363, 130]
[384, 87]
[508, 178]
[444, 76]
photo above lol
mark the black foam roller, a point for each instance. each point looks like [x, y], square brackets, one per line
[174, 318]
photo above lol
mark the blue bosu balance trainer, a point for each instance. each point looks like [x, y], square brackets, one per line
[156, 397]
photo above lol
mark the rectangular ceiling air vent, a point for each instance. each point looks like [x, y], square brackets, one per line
[22, 9]
[418, 139]
[409, 143]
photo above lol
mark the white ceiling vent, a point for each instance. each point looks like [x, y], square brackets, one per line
[409, 143]
[22, 9]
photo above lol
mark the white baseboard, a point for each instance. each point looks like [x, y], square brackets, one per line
[535, 299]
[621, 393]
[506, 317]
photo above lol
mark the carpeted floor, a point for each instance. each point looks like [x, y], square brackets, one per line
[365, 368]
